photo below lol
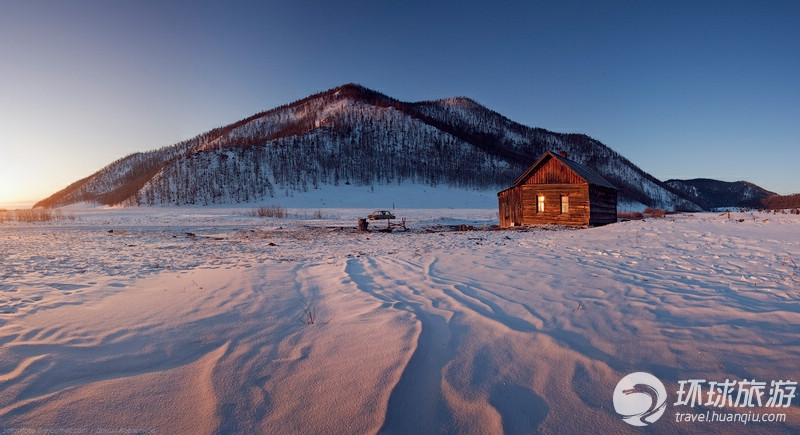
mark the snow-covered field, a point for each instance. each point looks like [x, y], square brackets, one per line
[193, 320]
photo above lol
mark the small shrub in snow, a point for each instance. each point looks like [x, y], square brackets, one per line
[275, 211]
[630, 215]
[32, 215]
[655, 212]
[309, 316]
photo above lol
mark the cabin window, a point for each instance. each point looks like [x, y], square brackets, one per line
[564, 204]
[540, 203]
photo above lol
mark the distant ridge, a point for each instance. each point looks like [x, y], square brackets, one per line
[352, 135]
[712, 194]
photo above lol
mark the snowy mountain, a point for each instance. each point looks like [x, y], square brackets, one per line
[714, 193]
[354, 136]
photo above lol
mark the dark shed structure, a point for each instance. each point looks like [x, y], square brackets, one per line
[556, 190]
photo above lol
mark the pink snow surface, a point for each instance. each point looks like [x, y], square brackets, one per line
[197, 321]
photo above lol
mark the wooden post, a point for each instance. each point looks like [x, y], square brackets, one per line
[363, 225]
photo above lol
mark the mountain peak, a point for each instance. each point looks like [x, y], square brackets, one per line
[352, 135]
[459, 102]
[357, 92]
[350, 88]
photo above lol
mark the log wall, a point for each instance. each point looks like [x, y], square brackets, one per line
[554, 172]
[604, 205]
[589, 204]
[578, 213]
[510, 207]
[519, 205]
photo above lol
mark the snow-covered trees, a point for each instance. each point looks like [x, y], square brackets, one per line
[350, 135]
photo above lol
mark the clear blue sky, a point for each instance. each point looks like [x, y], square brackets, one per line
[684, 89]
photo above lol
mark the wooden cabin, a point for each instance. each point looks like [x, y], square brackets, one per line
[556, 190]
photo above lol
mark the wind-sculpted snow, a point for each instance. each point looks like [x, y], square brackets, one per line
[210, 321]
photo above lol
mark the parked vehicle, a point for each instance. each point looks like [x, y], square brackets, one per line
[381, 214]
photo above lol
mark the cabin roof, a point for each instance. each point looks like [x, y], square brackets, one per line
[590, 175]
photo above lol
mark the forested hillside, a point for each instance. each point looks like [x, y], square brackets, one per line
[715, 194]
[353, 135]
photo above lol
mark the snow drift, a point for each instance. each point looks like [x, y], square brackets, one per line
[181, 320]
